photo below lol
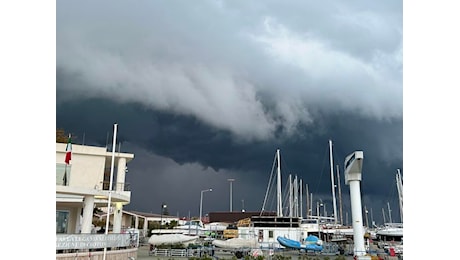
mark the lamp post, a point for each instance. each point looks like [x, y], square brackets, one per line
[163, 206]
[318, 206]
[367, 212]
[231, 196]
[201, 201]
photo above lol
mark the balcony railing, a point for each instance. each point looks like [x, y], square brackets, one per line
[123, 186]
[63, 173]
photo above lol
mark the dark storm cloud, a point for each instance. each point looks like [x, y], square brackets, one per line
[219, 71]
[205, 91]
[172, 150]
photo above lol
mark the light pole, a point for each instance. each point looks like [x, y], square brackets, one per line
[201, 201]
[231, 196]
[163, 206]
[318, 206]
[325, 212]
[367, 220]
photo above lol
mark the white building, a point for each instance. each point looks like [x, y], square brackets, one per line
[83, 184]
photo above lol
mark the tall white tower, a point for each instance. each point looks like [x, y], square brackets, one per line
[353, 168]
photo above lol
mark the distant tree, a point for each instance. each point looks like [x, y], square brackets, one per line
[63, 137]
[173, 224]
[99, 222]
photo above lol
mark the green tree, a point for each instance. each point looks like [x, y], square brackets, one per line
[63, 137]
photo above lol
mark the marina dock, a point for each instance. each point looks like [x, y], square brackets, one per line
[144, 254]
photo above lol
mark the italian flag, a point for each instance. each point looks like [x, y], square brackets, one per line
[68, 151]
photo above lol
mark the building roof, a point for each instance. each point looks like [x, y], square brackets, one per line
[148, 215]
[233, 217]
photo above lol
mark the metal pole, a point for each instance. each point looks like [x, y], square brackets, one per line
[163, 206]
[231, 193]
[399, 185]
[317, 216]
[279, 211]
[367, 220]
[389, 212]
[301, 202]
[334, 205]
[201, 202]
[231, 201]
[311, 203]
[372, 219]
[110, 186]
[340, 196]
[383, 213]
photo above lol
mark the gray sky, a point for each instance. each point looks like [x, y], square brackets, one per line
[204, 91]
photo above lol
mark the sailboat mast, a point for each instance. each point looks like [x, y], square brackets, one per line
[400, 193]
[389, 212]
[372, 218]
[296, 197]
[279, 210]
[383, 213]
[291, 201]
[307, 200]
[332, 181]
[301, 202]
[340, 196]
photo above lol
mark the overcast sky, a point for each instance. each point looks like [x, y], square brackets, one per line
[203, 91]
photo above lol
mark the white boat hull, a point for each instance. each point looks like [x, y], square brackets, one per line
[172, 239]
[394, 232]
[235, 243]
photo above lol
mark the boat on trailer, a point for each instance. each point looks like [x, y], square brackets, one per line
[311, 243]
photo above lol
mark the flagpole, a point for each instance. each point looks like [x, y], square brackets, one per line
[68, 149]
[110, 188]
[64, 180]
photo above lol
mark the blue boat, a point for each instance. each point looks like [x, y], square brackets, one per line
[312, 243]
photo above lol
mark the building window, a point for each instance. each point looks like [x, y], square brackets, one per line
[63, 174]
[270, 234]
[261, 235]
[62, 218]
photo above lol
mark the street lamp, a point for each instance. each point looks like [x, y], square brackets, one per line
[367, 219]
[318, 205]
[163, 207]
[325, 212]
[201, 201]
[231, 197]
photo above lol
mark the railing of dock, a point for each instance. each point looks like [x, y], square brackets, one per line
[174, 252]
